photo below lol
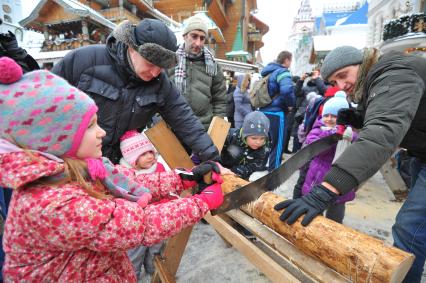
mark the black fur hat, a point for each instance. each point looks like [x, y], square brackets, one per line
[151, 38]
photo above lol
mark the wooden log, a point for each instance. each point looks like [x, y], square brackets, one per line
[302, 266]
[360, 257]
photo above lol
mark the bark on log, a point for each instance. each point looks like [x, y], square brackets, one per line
[360, 257]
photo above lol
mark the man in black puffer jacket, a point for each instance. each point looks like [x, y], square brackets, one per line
[391, 96]
[125, 77]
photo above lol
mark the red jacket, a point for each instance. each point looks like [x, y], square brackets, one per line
[61, 234]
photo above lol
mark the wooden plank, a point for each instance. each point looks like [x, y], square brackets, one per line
[299, 264]
[175, 156]
[258, 258]
[168, 146]
[218, 130]
[163, 273]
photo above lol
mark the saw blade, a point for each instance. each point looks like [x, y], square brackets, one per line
[275, 178]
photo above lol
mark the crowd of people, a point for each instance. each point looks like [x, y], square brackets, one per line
[91, 201]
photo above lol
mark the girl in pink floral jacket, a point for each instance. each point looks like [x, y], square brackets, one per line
[74, 215]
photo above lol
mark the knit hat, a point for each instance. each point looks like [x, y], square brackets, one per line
[41, 111]
[333, 105]
[195, 23]
[133, 144]
[151, 38]
[339, 58]
[255, 124]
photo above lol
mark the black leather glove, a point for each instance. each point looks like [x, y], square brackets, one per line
[297, 192]
[198, 172]
[314, 203]
[351, 117]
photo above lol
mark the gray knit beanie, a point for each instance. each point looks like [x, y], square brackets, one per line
[255, 124]
[195, 23]
[339, 58]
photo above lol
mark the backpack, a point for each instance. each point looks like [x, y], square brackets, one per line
[259, 95]
[312, 113]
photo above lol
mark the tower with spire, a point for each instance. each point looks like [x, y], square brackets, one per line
[300, 41]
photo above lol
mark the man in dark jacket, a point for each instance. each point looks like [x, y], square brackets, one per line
[391, 95]
[125, 77]
[280, 86]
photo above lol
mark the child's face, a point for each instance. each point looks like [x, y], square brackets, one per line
[145, 160]
[91, 144]
[255, 142]
[329, 120]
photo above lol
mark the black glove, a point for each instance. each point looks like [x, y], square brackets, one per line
[197, 173]
[8, 41]
[351, 117]
[314, 203]
[297, 192]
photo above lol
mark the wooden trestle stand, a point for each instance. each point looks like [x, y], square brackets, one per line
[324, 251]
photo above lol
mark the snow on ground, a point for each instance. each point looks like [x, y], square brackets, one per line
[208, 260]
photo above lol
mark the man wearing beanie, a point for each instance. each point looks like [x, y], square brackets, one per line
[197, 75]
[391, 96]
[125, 77]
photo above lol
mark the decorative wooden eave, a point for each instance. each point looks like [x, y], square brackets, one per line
[172, 8]
[261, 26]
[72, 7]
[143, 5]
[253, 5]
[217, 13]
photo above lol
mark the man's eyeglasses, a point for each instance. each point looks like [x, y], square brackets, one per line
[195, 36]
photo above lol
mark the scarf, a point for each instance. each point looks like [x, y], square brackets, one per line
[118, 184]
[370, 57]
[180, 69]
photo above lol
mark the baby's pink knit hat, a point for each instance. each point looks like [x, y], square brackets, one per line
[133, 144]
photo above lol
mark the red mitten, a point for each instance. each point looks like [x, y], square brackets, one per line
[212, 195]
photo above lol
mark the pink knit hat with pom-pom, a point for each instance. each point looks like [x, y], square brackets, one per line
[10, 71]
[133, 144]
[41, 111]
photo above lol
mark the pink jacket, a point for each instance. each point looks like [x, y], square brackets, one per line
[61, 234]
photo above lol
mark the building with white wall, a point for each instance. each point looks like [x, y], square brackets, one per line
[300, 41]
[11, 14]
[382, 12]
[339, 23]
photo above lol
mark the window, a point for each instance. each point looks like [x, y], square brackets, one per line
[7, 19]
[7, 9]
[19, 34]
